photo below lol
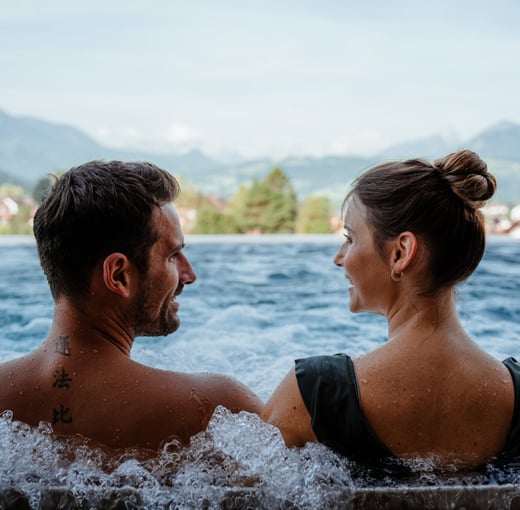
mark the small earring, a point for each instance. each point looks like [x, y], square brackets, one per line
[397, 277]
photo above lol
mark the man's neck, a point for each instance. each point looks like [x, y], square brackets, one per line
[95, 327]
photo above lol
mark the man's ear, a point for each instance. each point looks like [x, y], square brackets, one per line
[403, 251]
[116, 274]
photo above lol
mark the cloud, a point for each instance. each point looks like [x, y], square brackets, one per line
[176, 138]
[183, 136]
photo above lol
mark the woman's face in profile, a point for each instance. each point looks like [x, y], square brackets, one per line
[367, 272]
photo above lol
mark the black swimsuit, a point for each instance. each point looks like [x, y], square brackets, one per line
[329, 389]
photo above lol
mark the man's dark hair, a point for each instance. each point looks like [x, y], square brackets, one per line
[96, 209]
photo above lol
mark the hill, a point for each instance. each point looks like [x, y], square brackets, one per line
[501, 141]
[31, 148]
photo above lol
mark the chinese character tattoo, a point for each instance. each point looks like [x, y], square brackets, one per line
[61, 415]
[61, 380]
[63, 345]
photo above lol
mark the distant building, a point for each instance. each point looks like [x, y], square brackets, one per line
[8, 209]
[501, 220]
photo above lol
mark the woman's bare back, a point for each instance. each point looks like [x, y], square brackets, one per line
[446, 400]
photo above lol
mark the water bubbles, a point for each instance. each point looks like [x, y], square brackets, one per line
[6, 415]
[238, 452]
[238, 456]
[238, 462]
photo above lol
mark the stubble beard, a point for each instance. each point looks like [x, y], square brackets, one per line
[146, 323]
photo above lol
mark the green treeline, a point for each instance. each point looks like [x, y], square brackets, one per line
[267, 206]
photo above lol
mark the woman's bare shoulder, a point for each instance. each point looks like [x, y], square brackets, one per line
[286, 410]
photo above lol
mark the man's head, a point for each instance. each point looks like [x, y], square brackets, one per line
[96, 209]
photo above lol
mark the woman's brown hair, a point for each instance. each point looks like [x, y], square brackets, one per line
[439, 202]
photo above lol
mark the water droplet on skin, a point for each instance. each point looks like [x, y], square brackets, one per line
[364, 381]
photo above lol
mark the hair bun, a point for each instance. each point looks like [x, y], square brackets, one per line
[468, 177]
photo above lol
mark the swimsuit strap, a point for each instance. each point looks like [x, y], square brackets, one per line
[329, 389]
[512, 446]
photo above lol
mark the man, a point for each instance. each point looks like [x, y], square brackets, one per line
[111, 246]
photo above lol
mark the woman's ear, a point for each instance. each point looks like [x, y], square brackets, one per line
[404, 251]
[116, 274]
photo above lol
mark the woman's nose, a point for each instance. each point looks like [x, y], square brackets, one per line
[340, 255]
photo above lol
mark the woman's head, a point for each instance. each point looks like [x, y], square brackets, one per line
[438, 202]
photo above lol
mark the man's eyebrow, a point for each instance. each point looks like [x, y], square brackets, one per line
[174, 248]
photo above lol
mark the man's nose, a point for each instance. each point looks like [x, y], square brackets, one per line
[187, 273]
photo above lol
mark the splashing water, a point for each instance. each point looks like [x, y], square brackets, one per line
[237, 458]
[238, 462]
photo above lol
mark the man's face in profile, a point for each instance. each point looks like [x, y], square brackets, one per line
[155, 307]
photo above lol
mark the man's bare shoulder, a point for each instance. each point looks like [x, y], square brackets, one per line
[215, 389]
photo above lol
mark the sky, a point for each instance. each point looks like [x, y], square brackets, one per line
[259, 78]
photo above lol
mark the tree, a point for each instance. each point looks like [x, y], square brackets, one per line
[268, 206]
[212, 221]
[280, 212]
[42, 187]
[13, 191]
[190, 197]
[314, 216]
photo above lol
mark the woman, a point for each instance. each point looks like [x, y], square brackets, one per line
[413, 231]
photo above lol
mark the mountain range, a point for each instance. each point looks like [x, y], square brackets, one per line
[31, 148]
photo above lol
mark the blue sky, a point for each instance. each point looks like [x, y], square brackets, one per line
[262, 77]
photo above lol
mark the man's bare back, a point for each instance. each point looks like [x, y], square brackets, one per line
[99, 392]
